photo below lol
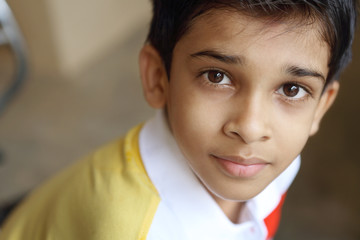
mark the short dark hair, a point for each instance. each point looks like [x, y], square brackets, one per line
[337, 18]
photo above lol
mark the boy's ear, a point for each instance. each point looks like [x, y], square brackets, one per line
[153, 77]
[326, 100]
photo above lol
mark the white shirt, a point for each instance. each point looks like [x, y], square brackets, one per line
[186, 210]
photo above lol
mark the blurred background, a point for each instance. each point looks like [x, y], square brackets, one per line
[83, 90]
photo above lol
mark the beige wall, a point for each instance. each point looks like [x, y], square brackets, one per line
[64, 36]
[32, 16]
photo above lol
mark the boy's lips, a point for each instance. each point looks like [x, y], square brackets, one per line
[237, 166]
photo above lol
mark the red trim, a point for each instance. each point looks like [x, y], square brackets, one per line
[273, 219]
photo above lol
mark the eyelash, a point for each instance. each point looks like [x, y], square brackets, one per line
[208, 82]
[308, 91]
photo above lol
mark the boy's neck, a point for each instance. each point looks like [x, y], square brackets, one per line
[231, 209]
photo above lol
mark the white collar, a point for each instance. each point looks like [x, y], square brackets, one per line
[197, 212]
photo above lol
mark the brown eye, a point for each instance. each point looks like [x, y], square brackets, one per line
[215, 76]
[291, 90]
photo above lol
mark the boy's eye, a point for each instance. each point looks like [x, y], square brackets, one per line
[217, 77]
[292, 90]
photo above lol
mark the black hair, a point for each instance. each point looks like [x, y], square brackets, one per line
[337, 18]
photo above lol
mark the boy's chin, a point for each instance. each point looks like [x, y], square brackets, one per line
[240, 197]
[229, 194]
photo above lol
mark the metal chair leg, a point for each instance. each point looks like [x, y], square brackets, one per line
[10, 34]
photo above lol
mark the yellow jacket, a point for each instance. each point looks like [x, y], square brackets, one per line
[98, 199]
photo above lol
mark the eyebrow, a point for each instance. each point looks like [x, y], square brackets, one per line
[237, 59]
[304, 72]
[232, 59]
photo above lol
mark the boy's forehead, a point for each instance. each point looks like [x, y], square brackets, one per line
[247, 38]
[225, 24]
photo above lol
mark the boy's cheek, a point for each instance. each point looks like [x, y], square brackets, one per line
[193, 122]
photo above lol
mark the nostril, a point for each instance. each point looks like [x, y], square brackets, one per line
[247, 134]
[235, 134]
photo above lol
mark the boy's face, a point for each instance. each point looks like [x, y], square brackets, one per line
[242, 99]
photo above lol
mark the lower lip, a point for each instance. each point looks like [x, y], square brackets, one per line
[240, 170]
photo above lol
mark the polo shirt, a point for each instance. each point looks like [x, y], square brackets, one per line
[186, 210]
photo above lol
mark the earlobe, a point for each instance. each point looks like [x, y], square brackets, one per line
[153, 77]
[326, 101]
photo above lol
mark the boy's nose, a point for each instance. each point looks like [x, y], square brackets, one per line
[249, 122]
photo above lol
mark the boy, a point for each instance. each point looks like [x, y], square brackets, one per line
[241, 86]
